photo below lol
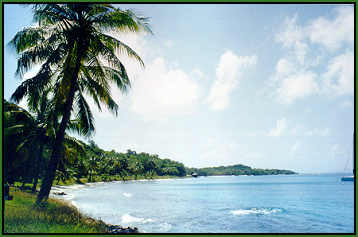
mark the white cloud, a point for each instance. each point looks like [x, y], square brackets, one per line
[338, 150]
[169, 43]
[228, 75]
[333, 33]
[325, 132]
[292, 37]
[198, 73]
[318, 132]
[160, 92]
[297, 86]
[339, 77]
[281, 126]
[284, 67]
[296, 76]
[295, 147]
[292, 84]
[346, 104]
[299, 130]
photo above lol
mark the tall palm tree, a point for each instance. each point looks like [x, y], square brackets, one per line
[77, 57]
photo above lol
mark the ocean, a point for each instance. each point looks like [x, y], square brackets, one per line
[222, 204]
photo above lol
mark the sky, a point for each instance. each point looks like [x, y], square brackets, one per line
[264, 85]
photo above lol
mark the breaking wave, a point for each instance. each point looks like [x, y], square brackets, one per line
[128, 195]
[256, 211]
[132, 219]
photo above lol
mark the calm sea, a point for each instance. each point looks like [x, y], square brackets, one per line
[223, 204]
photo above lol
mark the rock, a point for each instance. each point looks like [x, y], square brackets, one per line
[60, 193]
[117, 229]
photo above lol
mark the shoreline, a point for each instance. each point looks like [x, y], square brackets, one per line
[58, 192]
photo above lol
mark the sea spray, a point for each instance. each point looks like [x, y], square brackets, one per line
[257, 211]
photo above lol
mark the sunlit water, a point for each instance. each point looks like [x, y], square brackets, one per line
[223, 204]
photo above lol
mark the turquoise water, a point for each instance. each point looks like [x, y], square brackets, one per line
[223, 204]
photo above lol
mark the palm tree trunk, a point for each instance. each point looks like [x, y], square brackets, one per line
[38, 168]
[57, 149]
[60, 136]
[23, 185]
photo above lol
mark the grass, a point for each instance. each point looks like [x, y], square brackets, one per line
[22, 216]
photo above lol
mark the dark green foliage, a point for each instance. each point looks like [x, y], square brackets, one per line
[103, 165]
[28, 148]
[236, 170]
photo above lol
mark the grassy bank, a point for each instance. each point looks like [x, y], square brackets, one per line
[22, 216]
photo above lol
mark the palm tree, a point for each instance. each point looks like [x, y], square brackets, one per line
[34, 131]
[92, 166]
[77, 57]
[18, 124]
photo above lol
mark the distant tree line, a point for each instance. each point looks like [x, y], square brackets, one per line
[27, 148]
[236, 170]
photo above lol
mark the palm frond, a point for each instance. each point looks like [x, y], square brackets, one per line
[116, 45]
[122, 21]
[75, 144]
[32, 86]
[27, 38]
[49, 14]
[99, 93]
[85, 115]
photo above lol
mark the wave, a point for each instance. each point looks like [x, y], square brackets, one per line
[128, 195]
[257, 211]
[164, 227]
[130, 219]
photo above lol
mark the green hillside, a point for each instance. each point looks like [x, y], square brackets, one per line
[236, 170]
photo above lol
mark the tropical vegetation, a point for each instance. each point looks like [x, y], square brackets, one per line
[81, 162]
[79, 58]
[236, 170]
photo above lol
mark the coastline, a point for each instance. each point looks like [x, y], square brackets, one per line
[259, 206]
[58, 192]
[61, 192]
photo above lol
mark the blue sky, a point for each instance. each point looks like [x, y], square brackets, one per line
[269, 86]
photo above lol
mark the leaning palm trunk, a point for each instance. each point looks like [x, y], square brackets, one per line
[57, 151]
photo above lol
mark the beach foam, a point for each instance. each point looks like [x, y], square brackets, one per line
[131, 219]
[165, 227]
[257, 211]
[128, 195]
